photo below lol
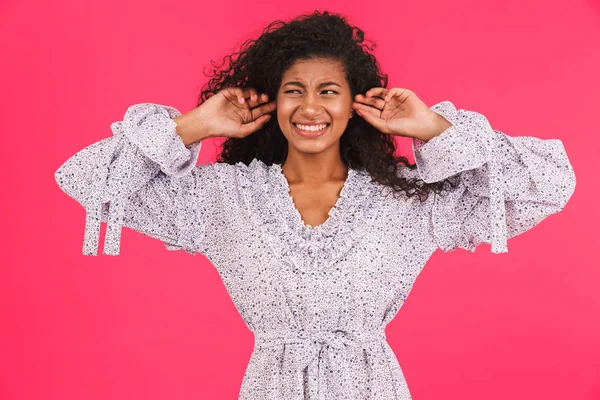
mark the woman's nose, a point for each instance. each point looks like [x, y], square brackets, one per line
[311, 102]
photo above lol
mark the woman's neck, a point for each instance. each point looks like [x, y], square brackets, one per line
[313, 170]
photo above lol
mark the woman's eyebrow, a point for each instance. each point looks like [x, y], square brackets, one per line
[297, 83]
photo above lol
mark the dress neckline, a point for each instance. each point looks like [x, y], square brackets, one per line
[267, 201]
[292, 213]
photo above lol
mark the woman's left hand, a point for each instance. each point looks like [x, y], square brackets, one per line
[398, 111]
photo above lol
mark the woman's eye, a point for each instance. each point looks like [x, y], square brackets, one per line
[327, 90]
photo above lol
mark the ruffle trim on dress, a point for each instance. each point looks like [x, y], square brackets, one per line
[122, 166]
[191, 232]
[310, 249]
[476, 134]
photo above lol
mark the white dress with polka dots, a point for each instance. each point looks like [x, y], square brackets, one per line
[316, 298]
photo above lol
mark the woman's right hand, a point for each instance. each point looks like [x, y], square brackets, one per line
[232, 112]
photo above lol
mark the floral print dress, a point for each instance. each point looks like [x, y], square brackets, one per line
[316, 298]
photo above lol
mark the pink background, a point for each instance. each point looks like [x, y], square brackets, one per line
[153, 324]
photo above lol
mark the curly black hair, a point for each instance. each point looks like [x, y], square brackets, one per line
[260, 64]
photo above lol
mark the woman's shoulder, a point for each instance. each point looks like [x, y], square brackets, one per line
[236, 174]
[255, 167]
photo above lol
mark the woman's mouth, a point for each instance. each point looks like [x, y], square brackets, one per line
[311, 131]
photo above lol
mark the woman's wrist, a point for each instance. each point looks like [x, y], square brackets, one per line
[190, 131]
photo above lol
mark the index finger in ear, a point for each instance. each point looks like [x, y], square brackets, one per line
[245, 93]
[373, 101]
[251, 94]
[397, 92]
[256, 98]
[263, 109]
[263, 98]
[376, 91]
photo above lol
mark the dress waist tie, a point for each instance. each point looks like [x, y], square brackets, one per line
[320, 351]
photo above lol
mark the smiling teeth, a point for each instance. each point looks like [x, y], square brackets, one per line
[311, 127]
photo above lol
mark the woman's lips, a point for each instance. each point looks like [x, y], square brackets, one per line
[310, 134]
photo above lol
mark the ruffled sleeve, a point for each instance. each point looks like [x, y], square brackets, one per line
[506, 185]
[143, 177]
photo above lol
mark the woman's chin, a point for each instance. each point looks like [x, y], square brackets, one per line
[314, 146]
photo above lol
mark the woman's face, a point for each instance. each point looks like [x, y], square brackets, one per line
[314, 93]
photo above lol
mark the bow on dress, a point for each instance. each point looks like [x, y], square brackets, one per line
[112, 187]
[114, 210]
[104, 176]
[320, 352]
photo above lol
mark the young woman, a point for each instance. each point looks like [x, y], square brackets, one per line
[297, 216]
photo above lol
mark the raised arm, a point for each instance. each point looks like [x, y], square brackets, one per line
[506, 185]
[144, 177]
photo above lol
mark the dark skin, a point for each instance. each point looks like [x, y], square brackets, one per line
[314, 168]
[313, 90]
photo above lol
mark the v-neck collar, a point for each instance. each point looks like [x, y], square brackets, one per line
[292, 213]
[266, 195]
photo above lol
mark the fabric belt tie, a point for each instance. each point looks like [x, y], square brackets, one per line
[319, 351]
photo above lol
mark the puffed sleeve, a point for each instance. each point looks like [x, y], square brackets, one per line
[143, 177]
[506, 185]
